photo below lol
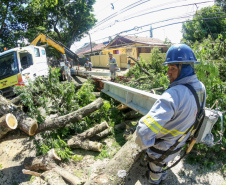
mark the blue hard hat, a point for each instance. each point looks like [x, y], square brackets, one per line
[66, 62]
[180, 53]
[87, 59]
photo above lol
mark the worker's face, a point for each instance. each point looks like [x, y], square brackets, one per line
[87, 61]
[110, 56]
[173, 72]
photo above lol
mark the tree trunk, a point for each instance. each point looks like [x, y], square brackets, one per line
[71, 117]
[25, 123]
[7, 122]
[81, 140]
[52, 178]
[47, 163]
[102, 134]
[85, 144]
[118, 167]
[93, 131]
[16, 100]
[97, 94]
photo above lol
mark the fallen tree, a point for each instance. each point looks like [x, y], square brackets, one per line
[81, 140]
[117, 169]
[8, 122]
[25, 123]
[58, 122]
[47, 163]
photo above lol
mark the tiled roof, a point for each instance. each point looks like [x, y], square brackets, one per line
[87, 49]
[145, 40]
[128, 40]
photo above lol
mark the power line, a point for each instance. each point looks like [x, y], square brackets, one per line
[152, 12]
[163, 9]
[160, 27]
[121, 11]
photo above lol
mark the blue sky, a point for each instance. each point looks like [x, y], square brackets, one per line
[117, 16]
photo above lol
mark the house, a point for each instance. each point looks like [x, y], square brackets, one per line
[121, 47]
[134, 46]
[87, 51]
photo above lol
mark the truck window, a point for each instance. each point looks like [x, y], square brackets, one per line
[26, 60]
[8, 65]
[37, 53]
[43, 52]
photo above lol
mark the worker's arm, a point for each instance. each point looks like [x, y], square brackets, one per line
[150, 125]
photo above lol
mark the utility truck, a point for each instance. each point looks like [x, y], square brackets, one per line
[20, 64]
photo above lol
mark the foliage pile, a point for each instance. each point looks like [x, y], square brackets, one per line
[61, 98]
[158, 77]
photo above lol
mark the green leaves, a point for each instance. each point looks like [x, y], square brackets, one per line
[205, 23]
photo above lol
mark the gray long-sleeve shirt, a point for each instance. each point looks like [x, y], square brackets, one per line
[112, 64]
[170, 116]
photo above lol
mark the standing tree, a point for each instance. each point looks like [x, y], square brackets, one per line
[11, 22]
[207, 21]
[64, 20]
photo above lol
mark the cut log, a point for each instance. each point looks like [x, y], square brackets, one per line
[29, 172]
[71, 117]
[97, 94]
[67, 175]
[53, 155]
[81, 140]
[25, 123]
[118, 167]
[46, 163]
[8, 122]
[85, 144]
[93, 131]
[102, 134]
[52, 178]
[16, 100]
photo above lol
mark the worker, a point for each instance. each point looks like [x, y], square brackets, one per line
[172, 114]
[67, 71]
[88, 65]
[112, 66]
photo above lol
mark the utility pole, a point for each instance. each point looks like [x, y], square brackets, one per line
[90, 43]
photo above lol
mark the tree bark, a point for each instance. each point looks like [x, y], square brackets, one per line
[8, 122]
[112, 174]
[102, 134]
[93, 131]
[47, 163]
[16, 100]
[52, 178]
[142, 69]
[77, 115]
[81, 140]
[25, 123]
[85, 144]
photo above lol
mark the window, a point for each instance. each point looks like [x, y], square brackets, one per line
[43, 52]
[8, 65]
[37, 53]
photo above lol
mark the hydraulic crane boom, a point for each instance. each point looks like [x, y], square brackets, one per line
[58, 45]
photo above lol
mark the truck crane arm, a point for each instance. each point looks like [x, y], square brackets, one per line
[58, 45]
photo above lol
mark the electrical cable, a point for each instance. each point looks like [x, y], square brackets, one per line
[120, 11]
[161, 26]
[152, 12]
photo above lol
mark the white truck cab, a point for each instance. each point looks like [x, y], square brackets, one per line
[19, 64]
